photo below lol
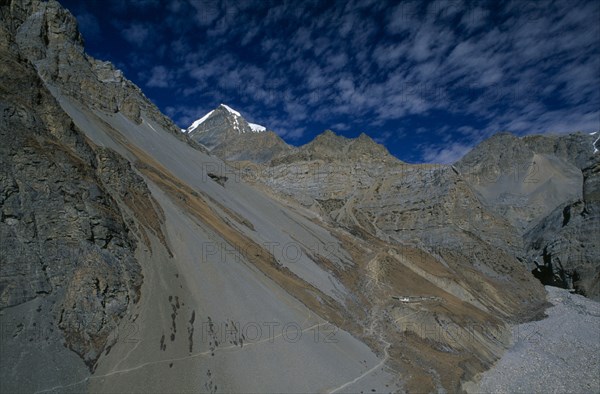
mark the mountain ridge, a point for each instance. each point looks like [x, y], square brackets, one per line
[219, 131]
[550, 142]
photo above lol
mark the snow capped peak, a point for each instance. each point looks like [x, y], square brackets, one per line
[198, 122]
[237, 122]
[231, 110]
[256, 127]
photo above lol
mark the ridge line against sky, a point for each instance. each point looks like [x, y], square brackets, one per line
[428, 79]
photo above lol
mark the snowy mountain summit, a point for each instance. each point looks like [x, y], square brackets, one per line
[227, 134]
[224, 117]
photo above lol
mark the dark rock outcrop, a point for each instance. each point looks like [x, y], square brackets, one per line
[63, 235]
[565, 243]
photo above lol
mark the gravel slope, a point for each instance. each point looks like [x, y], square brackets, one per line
[559, 354]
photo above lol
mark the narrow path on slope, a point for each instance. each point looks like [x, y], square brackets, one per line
[195, 355]
[379, 365]
[386, 356]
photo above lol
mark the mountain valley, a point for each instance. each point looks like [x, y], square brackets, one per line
[140, 257]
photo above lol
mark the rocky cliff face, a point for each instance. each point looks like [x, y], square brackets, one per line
[575, 148]
[330, 147]
[357, 183]
[72, 214]
[540, 184]
[421, 220]
[563, 248]
[65, 245]
[507, 200]
[526, 179]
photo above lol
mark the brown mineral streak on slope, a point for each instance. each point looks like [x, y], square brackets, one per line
[150, 214]
[141, 203]
[256, 254]
[417, 335]
[195, 204]
[145, 208]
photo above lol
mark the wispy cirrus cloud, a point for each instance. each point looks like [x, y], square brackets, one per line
[447, 154]
[136, 34]
[301, 67]
[160, 77]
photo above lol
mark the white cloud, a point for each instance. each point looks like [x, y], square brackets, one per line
[383, 137]
[446, 154]
[340, 127]
[160, 77]
[136, 34]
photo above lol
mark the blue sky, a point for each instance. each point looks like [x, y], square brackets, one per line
[428, 79]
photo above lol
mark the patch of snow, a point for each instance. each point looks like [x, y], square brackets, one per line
[231, 110]
[595, 142]
[199, 122]
[237, 123]
[256, 127]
